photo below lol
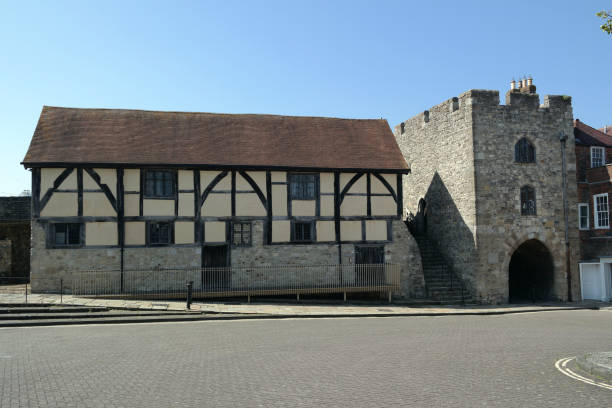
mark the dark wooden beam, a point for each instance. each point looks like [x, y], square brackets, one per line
[214, 167]
[197, 206]
[80, 191]
[269, 207]
[400, 196]
[337, 205]
[369, 194]
[233, 193]
[35, 193]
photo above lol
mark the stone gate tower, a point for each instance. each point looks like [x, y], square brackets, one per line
[488, 180]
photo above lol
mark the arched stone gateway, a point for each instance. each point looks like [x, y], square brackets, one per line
[531, 273]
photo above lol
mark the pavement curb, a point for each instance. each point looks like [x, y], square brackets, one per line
[585, 364]
[212, 316]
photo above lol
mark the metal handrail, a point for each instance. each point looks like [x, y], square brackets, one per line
[237, 281]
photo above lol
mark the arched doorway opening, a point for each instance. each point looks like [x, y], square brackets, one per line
[421, 218]
[531, 273]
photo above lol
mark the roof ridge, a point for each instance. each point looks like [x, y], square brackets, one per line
[211, 113]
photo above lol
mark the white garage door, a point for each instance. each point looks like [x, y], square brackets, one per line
[590, 278]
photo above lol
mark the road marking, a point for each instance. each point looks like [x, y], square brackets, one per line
[561, 365]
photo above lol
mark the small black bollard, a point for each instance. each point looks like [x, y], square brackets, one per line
[189, 293]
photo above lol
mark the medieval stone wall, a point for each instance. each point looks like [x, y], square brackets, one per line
[438, 146]
[5, 258]
[461, 154]
[501, 227]
[54, 266]
[18, 233]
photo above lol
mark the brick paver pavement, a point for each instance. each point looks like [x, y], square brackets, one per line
[467, 361]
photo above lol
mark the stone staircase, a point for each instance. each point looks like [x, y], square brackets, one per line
[441, 282]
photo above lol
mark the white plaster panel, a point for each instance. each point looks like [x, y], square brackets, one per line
[242, 184]
[206, 177]
[135, 233]
[184, 232]
[303, 208]
[61, 205]
[185, 179]
[379, 188]
[326, 231]
[376, 230]
[326, 182]
[100, 233]
[279, 176]
[358, 187]
[327, 206]
[47, 177]
[259, 177]
[108, 177]
[249, 205]
[350, 230]
[384, 206]
[157, 207]
[279, 200]
[217, 205]
[131, 205]
[281, 231]
[354, 205]
[97, 205]
[214, 231]
[186, 204]
[71, 181]
[131, 180]
[88, 182]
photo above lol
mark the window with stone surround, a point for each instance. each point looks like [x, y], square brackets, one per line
[597, 156]
[583, 216]
[66, 234]
[528, 201]
[241, 234]
[524, 152]
[303, 231]
[160, 233]
[602, 215]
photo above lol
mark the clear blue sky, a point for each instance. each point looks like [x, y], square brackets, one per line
[356, 59]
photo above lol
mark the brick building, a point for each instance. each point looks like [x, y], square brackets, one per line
[594, 171]
[487, 187]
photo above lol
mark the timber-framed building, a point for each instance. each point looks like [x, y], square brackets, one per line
[120, 189]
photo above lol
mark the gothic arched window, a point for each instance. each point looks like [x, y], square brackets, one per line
[528, 201]
[524, 152]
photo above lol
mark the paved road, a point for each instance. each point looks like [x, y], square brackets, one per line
[467, 361]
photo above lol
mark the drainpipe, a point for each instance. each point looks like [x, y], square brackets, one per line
[563, 139]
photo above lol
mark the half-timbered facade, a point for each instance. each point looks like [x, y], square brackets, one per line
[128, 189]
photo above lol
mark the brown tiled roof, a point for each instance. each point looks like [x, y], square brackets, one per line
[136, 137]
[607, 129]
[589, 136]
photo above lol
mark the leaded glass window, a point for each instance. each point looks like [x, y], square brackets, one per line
[159, 183]
[303, 186]
[241, 234]
[528, 201]
[524, 152]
